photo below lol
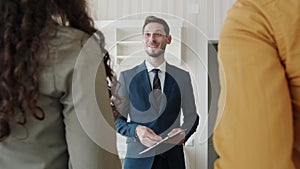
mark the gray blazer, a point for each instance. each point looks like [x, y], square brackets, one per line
[59, 141]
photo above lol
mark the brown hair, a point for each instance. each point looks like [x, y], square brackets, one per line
[24, 29]
[155, 19]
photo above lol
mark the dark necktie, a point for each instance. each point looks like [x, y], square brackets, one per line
[156, 87]
[156, 80]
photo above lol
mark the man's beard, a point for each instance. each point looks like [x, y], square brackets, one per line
[155, 55]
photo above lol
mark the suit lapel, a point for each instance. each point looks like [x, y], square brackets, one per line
[168, 81]
[144, 79]
[145, 82]
[168, 86]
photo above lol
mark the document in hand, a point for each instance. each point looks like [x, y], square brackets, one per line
[162, 141]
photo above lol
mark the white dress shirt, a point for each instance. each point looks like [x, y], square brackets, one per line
[161, 73]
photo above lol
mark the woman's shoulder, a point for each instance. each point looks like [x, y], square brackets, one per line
[64, 35]
[65, 44]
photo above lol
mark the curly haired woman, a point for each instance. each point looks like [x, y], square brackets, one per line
[40, 41]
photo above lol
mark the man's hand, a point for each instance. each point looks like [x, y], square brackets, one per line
[179, 139]
[147, 136]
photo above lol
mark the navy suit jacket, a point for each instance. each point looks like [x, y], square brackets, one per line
[138, 104]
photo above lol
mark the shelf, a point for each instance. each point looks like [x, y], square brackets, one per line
[122, 56]
[128, 34]
[129, 42]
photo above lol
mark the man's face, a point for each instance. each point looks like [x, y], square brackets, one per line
[155, 39]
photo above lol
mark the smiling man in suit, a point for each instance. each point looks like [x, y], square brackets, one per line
[153, 95]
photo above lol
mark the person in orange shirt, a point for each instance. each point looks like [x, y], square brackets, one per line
[259, 52]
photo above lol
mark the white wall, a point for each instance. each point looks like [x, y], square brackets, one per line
[207, 15]
[203, 21]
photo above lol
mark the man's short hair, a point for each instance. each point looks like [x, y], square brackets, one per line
[151, 19]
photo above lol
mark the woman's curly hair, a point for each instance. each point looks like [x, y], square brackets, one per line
[25, 26]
